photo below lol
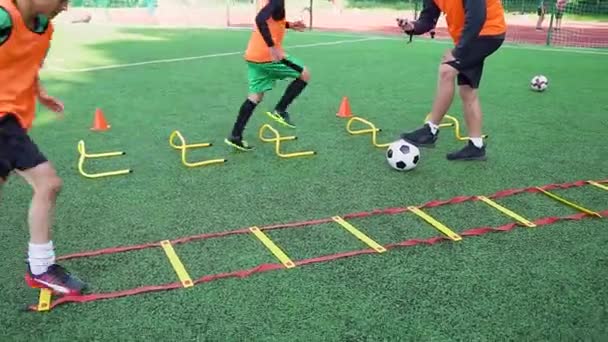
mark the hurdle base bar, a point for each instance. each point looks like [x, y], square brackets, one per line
[372, 129]
[184, 147]
[453, 122]
[277, 139]
[84, 155]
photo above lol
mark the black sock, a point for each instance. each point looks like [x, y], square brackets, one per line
[244, 114]
[293, 90]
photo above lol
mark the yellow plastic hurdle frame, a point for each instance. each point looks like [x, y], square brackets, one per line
[453, 123]
[84, 155]
[372, 129]
[277, 139]
[185, 147]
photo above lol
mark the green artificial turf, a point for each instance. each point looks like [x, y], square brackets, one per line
[546, 283]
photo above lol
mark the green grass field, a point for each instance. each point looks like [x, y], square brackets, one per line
[547, 283]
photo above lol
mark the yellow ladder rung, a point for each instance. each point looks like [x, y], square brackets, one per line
[360, 235]
[566, 202]
[272, 247]
[507, 212]
[44, 300]
[438, 225]
[601, 186]
[177, 264]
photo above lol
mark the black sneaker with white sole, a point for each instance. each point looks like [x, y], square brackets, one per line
[422, 137]
[469, 152]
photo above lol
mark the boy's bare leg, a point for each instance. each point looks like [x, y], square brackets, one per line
[46, 186]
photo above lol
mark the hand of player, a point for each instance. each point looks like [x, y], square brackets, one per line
[297, 25]
[276, 54]
[51, 103]
[405, 24]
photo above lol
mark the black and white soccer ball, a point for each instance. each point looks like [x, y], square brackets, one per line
[539, 83]
[402, 156]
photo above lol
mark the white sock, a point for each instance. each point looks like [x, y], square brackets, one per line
[41, 256]
[478, 142]
[434, 128]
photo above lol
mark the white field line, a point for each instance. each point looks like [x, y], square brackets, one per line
[182, 59]
[508, 45]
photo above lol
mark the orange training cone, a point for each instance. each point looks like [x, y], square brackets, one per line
[344, 111]
[99, 122]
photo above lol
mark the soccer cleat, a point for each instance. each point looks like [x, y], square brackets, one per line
[282, 118]
[57, 279]
[422, 137]
[469, 152]
[238, 143]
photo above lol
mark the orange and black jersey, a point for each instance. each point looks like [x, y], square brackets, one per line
[275, 10]
[466, 20]
[269, 31]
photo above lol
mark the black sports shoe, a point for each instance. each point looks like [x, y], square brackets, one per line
[469, 152]
[422, 137]
[238, 143]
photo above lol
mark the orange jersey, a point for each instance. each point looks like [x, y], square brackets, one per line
[21, 57]
[454, 10]
[270, 19]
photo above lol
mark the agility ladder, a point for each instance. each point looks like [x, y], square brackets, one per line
[185, 281]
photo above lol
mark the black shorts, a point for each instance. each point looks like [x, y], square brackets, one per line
[17, 150]
[470, 66]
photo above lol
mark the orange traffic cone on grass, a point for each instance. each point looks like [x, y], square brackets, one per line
[344, 110]
[99, 121]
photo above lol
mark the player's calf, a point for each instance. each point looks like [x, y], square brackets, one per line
[247, 107]
[294, 90]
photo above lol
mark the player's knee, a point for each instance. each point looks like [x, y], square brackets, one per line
[47, 183]
[256, 97]
[447, 73]
[467, 94]
[305, 75]
[52, 186]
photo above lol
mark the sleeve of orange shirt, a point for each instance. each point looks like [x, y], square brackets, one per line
[265, 14]
[475, 12]
[428, 18]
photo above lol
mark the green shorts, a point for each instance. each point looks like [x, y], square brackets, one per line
[263, 76]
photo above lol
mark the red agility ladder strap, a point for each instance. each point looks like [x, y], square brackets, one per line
[286, 262]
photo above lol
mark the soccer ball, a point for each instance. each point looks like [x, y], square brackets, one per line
[402, 155]
[539, 83]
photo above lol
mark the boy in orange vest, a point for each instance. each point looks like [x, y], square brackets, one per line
[25, 36]
[478, 29]
[267, 63]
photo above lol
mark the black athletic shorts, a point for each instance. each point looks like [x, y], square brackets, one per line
[17, 150]
[470, 66]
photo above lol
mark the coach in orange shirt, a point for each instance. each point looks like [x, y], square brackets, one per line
[478, 29]
[25, 37]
